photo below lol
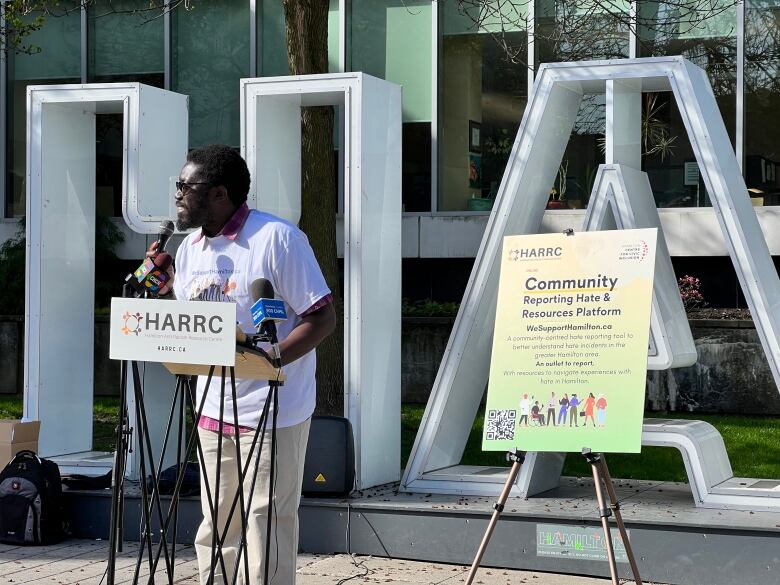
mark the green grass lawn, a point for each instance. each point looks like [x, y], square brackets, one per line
[104, 419]
[753, 443]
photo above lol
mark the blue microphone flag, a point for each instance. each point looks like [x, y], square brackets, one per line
[268, 310]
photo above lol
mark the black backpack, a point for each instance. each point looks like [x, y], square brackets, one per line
[31, 510]
[190, 485]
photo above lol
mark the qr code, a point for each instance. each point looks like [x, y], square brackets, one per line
[500, 425]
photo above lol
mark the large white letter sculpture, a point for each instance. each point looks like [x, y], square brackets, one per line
[371, 171]
[533, 163]
[61, 235]
[59, 309]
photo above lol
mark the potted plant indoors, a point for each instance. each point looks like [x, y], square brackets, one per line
[558, 193]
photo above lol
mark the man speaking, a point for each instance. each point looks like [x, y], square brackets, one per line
[219, 262]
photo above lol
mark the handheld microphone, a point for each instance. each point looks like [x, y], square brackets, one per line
[266, 310]
[164, 234]
[152, 275]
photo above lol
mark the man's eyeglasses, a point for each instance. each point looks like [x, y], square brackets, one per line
[187, 187]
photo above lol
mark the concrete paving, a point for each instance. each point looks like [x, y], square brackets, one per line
[332, 570]
[83, 562]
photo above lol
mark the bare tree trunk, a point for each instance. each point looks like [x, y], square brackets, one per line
[306, 25]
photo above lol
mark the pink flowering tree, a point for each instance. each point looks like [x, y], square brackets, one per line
[690, 292]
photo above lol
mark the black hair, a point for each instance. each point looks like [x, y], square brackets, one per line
[221, 164]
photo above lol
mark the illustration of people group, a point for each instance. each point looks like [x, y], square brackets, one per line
[557, 411]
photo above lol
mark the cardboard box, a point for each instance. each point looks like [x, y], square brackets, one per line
[16, 436]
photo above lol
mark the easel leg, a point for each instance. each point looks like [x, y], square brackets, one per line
[517, 458]
[601, 474]
[615, 505]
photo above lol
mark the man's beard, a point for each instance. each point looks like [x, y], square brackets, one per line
[195, 214]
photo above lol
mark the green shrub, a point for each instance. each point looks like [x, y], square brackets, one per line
[428, 308]
[12, 271]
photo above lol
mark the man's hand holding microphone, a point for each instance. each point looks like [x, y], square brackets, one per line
[154, 277]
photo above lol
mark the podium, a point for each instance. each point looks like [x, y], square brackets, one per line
[134, 339]
[249, 364]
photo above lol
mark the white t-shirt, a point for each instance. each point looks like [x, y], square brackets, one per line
[220, 269]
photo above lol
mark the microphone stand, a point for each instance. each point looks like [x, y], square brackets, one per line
[151, 503]
[123, 433]
[269, 336]
[273, 391]
[123, 447]
[115, 537]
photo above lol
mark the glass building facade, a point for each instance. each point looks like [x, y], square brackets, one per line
[465, 85]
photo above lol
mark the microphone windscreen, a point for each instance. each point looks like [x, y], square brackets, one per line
[262, 289]
[166, 227]
[164, 234]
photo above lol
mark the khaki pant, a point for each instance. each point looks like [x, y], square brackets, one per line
[290, 454]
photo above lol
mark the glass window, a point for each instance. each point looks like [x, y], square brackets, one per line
[210, 56]
[272, 53]
[54, 57]
[391, 39]
[706, 37]
[333, 36]
[762, 100]
[272, 47]
[484, 91]
[584, 153]
[578, 30]
[581, 30]
[54, 49]
[126, 42]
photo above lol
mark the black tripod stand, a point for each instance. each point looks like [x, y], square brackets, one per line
[153, 512]
[124, 433]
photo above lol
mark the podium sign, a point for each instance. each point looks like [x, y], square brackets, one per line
[183, 332]
[569, 354]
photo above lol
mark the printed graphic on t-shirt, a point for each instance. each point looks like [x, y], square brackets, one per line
[216, 283]
[212, 288]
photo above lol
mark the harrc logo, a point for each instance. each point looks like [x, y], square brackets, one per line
[181, 323]
[132, 323]
[534, 253]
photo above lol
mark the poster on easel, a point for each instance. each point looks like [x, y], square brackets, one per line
[569, 358]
